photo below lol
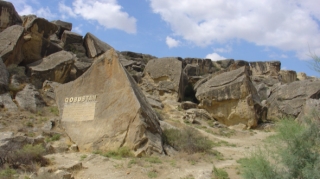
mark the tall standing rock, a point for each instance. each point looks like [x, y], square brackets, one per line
[11, 42]
[104, 109]
[8, 15]
[95, 46]
[231, 98]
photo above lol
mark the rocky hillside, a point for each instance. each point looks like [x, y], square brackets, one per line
[55, 82]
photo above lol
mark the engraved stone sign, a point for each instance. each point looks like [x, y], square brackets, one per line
[79, 108]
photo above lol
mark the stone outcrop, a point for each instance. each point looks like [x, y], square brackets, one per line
[196, 115]
[117, 113]
[62, 26]
[55, 67]
[37, 39]
[188, 105]
[289, 99]
[264, 84]
[164, 75]
[4, 78]
[8, 15]
[270, 68]
[29, 99]
[95, 46]
[11, 42]
[311, 110]
[302, 76]
[7, 103]
[231, 98]
[205, 66]
[69, 37]
[288, 76]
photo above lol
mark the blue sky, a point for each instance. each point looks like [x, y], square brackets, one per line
[251, 30]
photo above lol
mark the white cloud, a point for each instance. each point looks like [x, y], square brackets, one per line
[63, 9]
[45, 13]
[172, 42]
[214, 57]
[77, 29]
[287, 25]
[106, 12]
[228, 48]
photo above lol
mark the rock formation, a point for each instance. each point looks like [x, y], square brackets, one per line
[117, 113]
[8, 15]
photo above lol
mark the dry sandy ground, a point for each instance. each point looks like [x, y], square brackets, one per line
[237, 145]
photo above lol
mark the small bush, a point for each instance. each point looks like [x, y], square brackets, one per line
[122, 152]
[219, 173]
[294, 152]
[54, 110]
[7, 173]
[188, 140]
[152, 174]
[54, 137]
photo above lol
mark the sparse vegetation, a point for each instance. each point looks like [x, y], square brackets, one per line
[153, 174]
[7, 173]
[54, 137]
[54, 110]
[187, 140]
[153, 160]
[82, 157]
[219, 173]
[122, 152]
[294, 152]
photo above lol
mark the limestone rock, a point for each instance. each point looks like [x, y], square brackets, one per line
[4, 78]
[29, 99]
[196, 115]
[289, 99]
[310, 110]
[55, 67]
[117, 113]
[70, 38]
[225, 63]
[288, 76]
[95, 46]
[270, 68]
[192, 70]
[37, 39]
[237, 64]
[11, 42]
[9, 142]
[302, 76]
[166, 75]
[231, 98]
[8, 15]
[62, 26]
[7, 103]
[188, 105]
[264, 84]
[155, 103]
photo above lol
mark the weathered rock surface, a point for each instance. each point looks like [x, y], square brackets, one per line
[8, 15]
[9, 142]
[302, 76]
[165, 75]
[69, 37]
[95, 46]
[311, 110]
[288, 76]
[4, 78]
[188, 105]
[270, 68]
[121, 115]
[29, 99]
[205, 66]
[62, 26]
[7, 103]
[37, 39]
[55, 67]
[231, 98]
[289, 99]
[11, 42]
[196, 115]
[264, 84]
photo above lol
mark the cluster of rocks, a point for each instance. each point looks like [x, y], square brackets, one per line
[45, 62]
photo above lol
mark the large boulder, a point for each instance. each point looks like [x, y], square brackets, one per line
[264, 84]
[29, 99]
[288, 76]
[231, 98]
[55, 67]
[310, 110]
[71, 38]
[7, 103]
[4, 78]
[269, 68]
[11, 42]
[8, 15]
[165, 75]
[288, 99]
[104, 109]
[95, 46]
[38, 44]
[205, 66]
[62, 26]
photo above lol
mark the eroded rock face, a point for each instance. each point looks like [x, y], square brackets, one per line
[165, 75]
[37, 39]
[311, 110]
[29, 99]
[7, 103]
[62, 26]
[270, 68]
[288, 76]
[55, 67]
[8, 15]
[116, 112]
[4, 78]
[11, 42]
[289, 99]
[95, 46]
[231, 98]
[264, 84]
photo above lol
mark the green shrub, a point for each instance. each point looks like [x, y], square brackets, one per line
[54, 110]
[293, 152]
[122, 152]
[54, 137]
[7, 173]
[187, 140]
[153, 160]
[219, 173]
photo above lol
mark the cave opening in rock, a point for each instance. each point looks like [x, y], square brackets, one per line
[190, 94]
